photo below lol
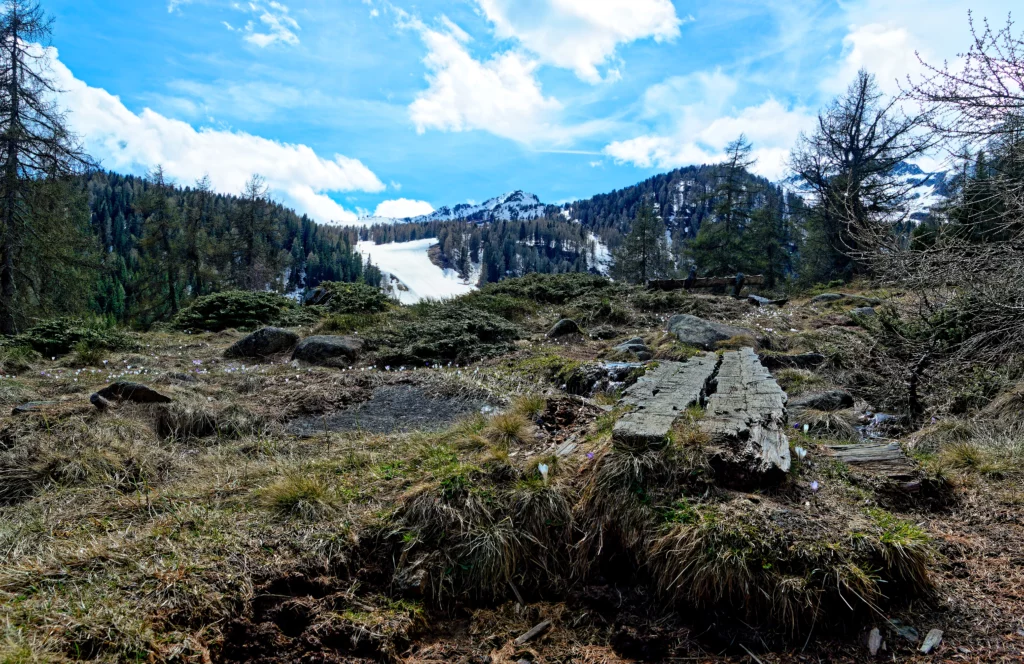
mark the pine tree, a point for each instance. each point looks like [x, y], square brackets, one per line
[161, 243]
[644, 252]
[38, 155]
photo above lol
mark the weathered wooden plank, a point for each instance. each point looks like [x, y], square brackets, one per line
[659, 399]
[746, 420]
[883, 459]
[702, 282]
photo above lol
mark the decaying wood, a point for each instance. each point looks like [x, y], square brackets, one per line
[883, 459]
[660, 398]
[534, 633]
[746, 419]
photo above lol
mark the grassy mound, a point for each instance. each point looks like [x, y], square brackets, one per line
[61, 335]
[551, 288]
[354, 298]
[442, 332]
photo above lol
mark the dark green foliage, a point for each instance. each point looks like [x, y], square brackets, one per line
[242, 310]
[443, 332]
[60, 335]
[551, 288]
[644, 253]
[507, 306]
[354, 298]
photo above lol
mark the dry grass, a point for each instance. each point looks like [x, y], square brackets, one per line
[507, 430]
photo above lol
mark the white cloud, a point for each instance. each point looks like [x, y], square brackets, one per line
[278, 27]
[501, 95]
[701, 124]
[137, 142]
[403, 208]
[887, 51]
[582, 35]
[172, 5]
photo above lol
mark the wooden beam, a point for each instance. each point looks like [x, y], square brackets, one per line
[702, 282]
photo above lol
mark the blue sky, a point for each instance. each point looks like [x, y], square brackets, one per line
[350, 107]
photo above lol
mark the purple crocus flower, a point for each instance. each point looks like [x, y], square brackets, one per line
[815, 486]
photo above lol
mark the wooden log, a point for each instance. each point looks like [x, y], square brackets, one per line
[746, 420]
[660, 398]
[702, 282]
[534, 633]
[880, 459]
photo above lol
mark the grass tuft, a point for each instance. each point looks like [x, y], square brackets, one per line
[507, 430]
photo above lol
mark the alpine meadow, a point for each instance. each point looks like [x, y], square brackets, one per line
[733, 371]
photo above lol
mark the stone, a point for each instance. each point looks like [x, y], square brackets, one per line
[874, 642]
[328, 351]
[864, 312]
[34, 407]
[798, 361]
[825, 298]
[659, 398]
[563, 328]
[263, 343]
[704, 334]
[134, 392]
[603, 333]
[637, 347]
[832, 400]
[764, 301]
[931, 641]
[746, 418]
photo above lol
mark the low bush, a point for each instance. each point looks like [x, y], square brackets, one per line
[59, 336]
[242, 310]
[17, 359]
[551, 288]
[351, 298]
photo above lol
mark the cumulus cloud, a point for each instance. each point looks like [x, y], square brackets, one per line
[887, 51]
[500, 95]
[702, 127]
[582, 35]
[403, 208]
[137, 142]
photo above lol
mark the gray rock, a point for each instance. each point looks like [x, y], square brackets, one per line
[865, 312]
[764, 301]
[328, 351]
[861, 300]
[263, 343]
[704, 334]
[603, 333]
[830, 401]
[637, 347]
[932, 641]
[564, 327]
[825, 298]
[875, 641]
[134, 392]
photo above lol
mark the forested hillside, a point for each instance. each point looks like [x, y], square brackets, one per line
[499, 249]
[162, 244]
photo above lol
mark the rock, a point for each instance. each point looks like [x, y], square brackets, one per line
[865, 312]
[799, 361]
[34, 407]
[932, 641]
[134, 392]
[603, 333]
[263, 343]
[765, 302]
[637, 347]
[874, 642]
[328, 351]
[704, 334]
[563, 328]
[660, 398]
[825, 298]
[830, 401]
[746, 418]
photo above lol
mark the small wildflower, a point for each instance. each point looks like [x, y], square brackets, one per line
[801, 453]
[590, 455]
[815, 486]
[543, 469]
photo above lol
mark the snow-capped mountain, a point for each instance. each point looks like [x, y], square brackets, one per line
[925, 189]
[516, 205]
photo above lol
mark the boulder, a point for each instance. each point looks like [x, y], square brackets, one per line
[704, 334]
[328, 351]
[864, 312]
[832, 400]
[764, 301]
[263, 343]
[637, 347]
[564, 327]
[125, 391]
[825, 298]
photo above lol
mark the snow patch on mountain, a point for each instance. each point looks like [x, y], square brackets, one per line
[409, 274]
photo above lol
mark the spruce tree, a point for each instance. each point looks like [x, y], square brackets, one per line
[644, 253]
[40, 236]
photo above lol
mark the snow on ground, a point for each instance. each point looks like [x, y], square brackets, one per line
[601, 255]
[408, 263]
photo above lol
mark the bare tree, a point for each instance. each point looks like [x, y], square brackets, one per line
[35, 144]
[851, 163]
